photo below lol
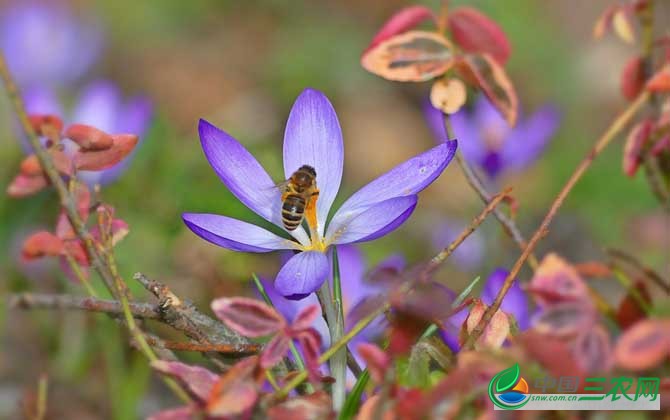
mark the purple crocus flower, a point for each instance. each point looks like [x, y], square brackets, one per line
[100, 105]
[514, 303]
[312, 137]
[487, 141]
[45, 45]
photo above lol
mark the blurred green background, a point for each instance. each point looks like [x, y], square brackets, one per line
[240, 65]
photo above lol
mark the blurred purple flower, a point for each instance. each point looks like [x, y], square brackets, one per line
[45, 45]
[469, 254]
[487, 141]
[514, 303]
[100, 105]
[312, 137]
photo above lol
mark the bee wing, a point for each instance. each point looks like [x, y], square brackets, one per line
[279, 186]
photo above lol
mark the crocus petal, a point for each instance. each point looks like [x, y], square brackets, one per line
[488, 118]
[406, 179]
[99, 106]
[372, 223]
[302, 274]
[515, 301]
[526, 142]
[469, 141]
[235, 234]
[313, 137]
[39, 100]
[243, 175]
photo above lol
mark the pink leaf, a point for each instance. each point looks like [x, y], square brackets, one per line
[414, 56]
[306, 317]
[663, 144]
[632, 78]
[69, 272]
[475, 32]
[313, 406]
[89, 138]
[97, 160]
[236, 392]
[644, 346]
[496, 331]
[274, 351]
[310, 342]
[402, 21]
[565, 318]
[593, 350]
[556, 280]
[41, 244]
[198, 380]
[490, 77]
[24, 186]
[376, 360]
[248, 317]
[179, 413]
[636, 142]
[660, 82]
[41, 121]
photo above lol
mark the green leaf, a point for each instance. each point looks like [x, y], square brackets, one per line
[353, 400]
[507, 379]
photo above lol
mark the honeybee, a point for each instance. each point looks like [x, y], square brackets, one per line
[297, 192]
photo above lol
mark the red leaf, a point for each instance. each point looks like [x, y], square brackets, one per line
[235, 393]
[41, 121]
[377, 361]
[635, 142]
[414, 56]
[248, 317]
[483, 71]
[96, 160]
[274, 351]
[31, 166]
[314, 406]
[64, 229]
[198, 380]
[565, 318]
[644, 345]
[402, 21]
[660, 82]
[556, 280]
[310, 343]
[24, 186]
[661, 145]
[551, 352]
[632, 78]
[41, 244]
[306, 317]
[89, 138]
[629, 311]
[593, 350]
[75, 249]
[593, 269]
[404, 332]
[475, 32]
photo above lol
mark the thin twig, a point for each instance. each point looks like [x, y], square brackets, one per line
[227, 349]
[508, 224]
[647, 271]
[619, 123]
[446, 252]
[69, 302]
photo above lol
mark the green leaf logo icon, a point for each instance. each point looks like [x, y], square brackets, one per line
[507, 379]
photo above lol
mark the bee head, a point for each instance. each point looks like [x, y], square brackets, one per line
[309, 169]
